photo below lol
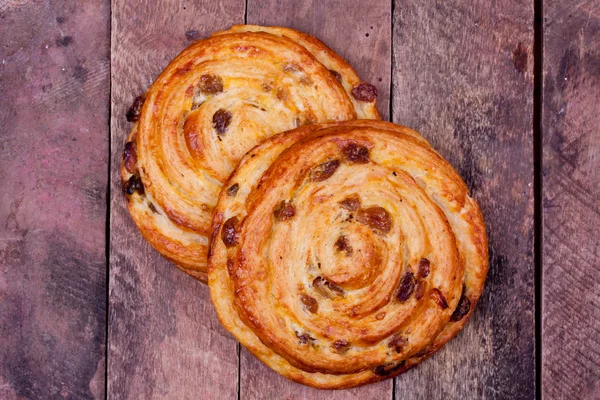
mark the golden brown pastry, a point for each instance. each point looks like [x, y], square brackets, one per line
[345, 253]
[212, 103]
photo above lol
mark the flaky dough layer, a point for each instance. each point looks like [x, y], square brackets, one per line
[212, 103]
[345, 253]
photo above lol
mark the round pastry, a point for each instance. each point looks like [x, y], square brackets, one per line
[212, 103]
[345, 253]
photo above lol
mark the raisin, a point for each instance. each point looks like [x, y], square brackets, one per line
[364, 91]
[310, 303]
[356, 154]
[152, 208]
[229, 232]
[336, 75]
[397, 343]
[464, 305]
[341, 345]
[324, 170]
[133, 114]
[326, 288]
[284, 211]
[304, 337]
[221, 120]
[342, 244]
[130, 157]
[387, 369]
[424, 268]
[351, 203]
[232, 190]
[439, 298]
[134, 184]
[420, 289]
[211, 84]
[407, 286]
[377, 218]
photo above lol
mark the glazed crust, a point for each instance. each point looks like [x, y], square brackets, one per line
[345, 253]
[212, 103]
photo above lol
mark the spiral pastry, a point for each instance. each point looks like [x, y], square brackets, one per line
[345, 253]
[212, 103]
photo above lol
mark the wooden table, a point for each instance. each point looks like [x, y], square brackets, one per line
[508, 91]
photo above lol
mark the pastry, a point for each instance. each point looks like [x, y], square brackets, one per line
[212, 103]
[345, 253]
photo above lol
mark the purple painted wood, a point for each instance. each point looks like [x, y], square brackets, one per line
[165, 340]
[54, 67]
[463, 77]
[571, 201]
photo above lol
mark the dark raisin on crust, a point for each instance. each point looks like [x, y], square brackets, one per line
[152, 208]
[211, 84]
[377, 218]
[341, 345]
[439, 298]
[424, 265]
[364, 91]
[342, 244]
[221, 120]
[464, 305]
[407, 286]
[356, 154]
[133, 113]
[232, 190]
[310, 303]
[304, 337]
[387, 369]
[420, 289]
[326, 288]
[336, 75]
[324, 170]
[284, 211]
[229, 234]
[130, 157]
[397, 343]
[134, 184]
[351, 203]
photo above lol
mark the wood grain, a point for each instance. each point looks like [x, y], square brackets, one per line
[463, 77]
[571, 201]
[358, 31]
[54, 65]
[164, 338]
[361, 33]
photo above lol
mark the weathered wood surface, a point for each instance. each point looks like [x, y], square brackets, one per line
[361, 33]
[460, 77]
[463, 76]
[164, 337]
[54, 66]
[571, 201]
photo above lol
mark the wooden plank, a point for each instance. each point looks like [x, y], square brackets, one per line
[53, 160]
[463, 76]
[361, 33]
[571, 201]
[164, 338]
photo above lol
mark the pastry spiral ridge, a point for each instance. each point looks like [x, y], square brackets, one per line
[345, 253]
[217, 99]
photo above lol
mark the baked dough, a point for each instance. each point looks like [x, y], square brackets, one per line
[212, 103]
[345, 253]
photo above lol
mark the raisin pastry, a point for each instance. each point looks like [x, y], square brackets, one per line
[212, 103]
[345, 253]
